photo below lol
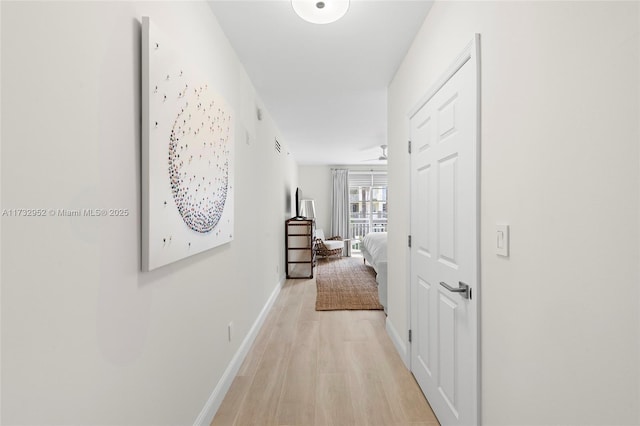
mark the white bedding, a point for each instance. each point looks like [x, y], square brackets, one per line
[374, 250]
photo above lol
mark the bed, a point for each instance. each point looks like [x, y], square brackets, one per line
[374, 250]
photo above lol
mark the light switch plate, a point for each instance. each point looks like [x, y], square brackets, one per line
[502, 239]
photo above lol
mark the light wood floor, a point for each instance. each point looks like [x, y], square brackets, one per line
[322, 368]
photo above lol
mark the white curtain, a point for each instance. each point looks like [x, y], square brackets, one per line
[340, 203]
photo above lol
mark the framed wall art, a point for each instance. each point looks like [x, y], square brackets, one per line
[187, 156]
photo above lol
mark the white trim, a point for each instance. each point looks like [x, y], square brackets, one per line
[475, 60]
[398, 342]
[408, 258]
[469, 51]
[215, 400]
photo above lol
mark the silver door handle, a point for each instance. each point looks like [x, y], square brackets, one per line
[463, 289]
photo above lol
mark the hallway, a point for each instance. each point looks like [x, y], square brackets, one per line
[322, 368]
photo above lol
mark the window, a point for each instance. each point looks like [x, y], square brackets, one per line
[367, 204]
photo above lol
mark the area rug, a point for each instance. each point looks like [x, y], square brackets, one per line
[346, 284]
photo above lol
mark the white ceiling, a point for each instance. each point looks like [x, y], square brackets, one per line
[324, 85]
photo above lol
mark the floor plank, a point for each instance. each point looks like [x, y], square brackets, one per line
[322, 368]
[334, 402]
[298, 400]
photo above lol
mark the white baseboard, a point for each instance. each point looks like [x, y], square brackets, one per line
[398, 342]
[215, 400]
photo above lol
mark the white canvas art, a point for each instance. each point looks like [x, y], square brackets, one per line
[187, 156]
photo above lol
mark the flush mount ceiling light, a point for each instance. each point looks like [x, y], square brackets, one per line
[320, 11]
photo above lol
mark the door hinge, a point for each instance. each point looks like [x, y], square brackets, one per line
[409, 240]
[409, 147]
[409, 336]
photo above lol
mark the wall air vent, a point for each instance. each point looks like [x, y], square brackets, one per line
[278, 147]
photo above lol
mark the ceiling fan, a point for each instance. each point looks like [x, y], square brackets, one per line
[383, 157]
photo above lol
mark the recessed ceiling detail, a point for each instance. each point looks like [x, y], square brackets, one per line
[320, 11]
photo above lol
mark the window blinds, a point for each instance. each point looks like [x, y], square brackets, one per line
[375, 179]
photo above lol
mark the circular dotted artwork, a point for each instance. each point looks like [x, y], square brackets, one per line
[188, 151]
[199, 156]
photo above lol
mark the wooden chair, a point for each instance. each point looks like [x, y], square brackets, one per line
[328, 247]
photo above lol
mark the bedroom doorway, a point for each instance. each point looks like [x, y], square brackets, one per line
[444, 286]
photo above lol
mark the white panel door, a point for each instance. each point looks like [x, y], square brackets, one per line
[444, 229]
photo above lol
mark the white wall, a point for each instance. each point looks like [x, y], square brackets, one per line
[560, 107]
[86, 337]
[315, 183]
